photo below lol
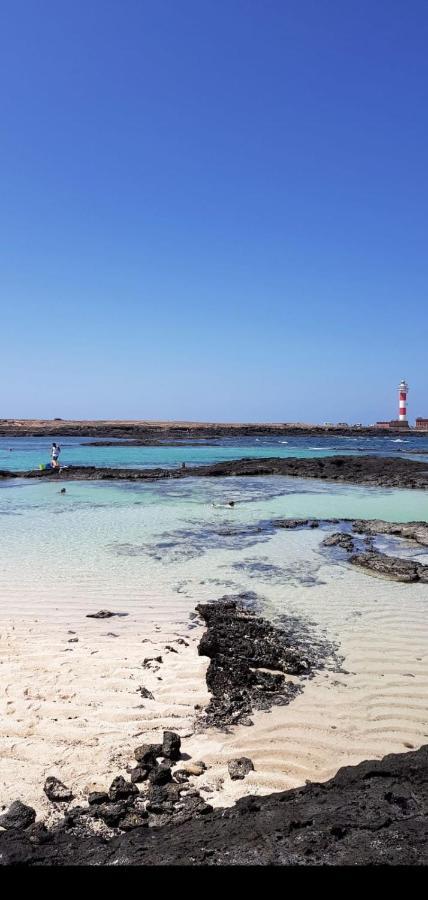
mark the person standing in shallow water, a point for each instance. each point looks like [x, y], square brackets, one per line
[56, 450]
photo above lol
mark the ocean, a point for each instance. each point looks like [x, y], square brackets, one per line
[28, 453]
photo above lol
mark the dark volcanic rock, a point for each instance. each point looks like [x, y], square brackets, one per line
[409, 531]
[139, 774]
[372, 470]
[390, 566]
[171, 745]
[111, 813]
[239, 645]
[96, 797]
[339, 539]
[239, 768]
[38, 833]
[77, 814]
[18, 816]
[133, 820]
[146, 754]
[291, 523]
[56, 791]
[121, 789]
[160, 774]
[104, 614]
[371, 814]
[146, 693]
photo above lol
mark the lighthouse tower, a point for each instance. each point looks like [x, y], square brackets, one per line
[403, 390]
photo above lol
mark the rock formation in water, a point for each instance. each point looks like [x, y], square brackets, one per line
[371, 470]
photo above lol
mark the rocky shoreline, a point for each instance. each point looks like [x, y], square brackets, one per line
[366, 556]
[367, 470]
[370, 814]
[250, 662]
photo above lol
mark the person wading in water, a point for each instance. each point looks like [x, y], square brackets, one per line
[56, 450]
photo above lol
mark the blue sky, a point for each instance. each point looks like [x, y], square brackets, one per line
[213, 209]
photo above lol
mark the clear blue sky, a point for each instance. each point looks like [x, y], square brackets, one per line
[213, 209]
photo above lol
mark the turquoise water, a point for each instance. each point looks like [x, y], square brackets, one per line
[152, 547]
[21, 454]
[147, 547]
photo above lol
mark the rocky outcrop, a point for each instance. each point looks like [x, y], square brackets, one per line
[371, 814]
[250, 660]
[339, 539]
[290, 524]
[409, 531]
[390, 566]
[371, 470]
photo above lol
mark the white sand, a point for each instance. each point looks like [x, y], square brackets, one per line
[73, 709]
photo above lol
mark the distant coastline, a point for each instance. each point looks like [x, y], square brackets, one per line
[153, 431]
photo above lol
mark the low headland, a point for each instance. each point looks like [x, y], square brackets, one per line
[150, 432]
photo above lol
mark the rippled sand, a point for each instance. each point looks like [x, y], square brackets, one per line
[73, 709]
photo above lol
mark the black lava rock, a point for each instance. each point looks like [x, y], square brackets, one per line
[160, 774]
[371, 814]
[133, 820]
[121, 789]
[339, 539]
[96, 797]
[111, 813]
[239, 768]
[390, 566]
[146, 754]
[18, 816]
[247, 658]
[56, 791]
[139, 774]
[171, 745]
[39, 834]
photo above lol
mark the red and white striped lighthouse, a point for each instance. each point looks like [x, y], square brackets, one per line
[403, 390]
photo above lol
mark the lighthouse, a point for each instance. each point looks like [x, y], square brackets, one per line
[403, 390]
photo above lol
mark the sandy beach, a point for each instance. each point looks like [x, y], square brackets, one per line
[71, 705]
